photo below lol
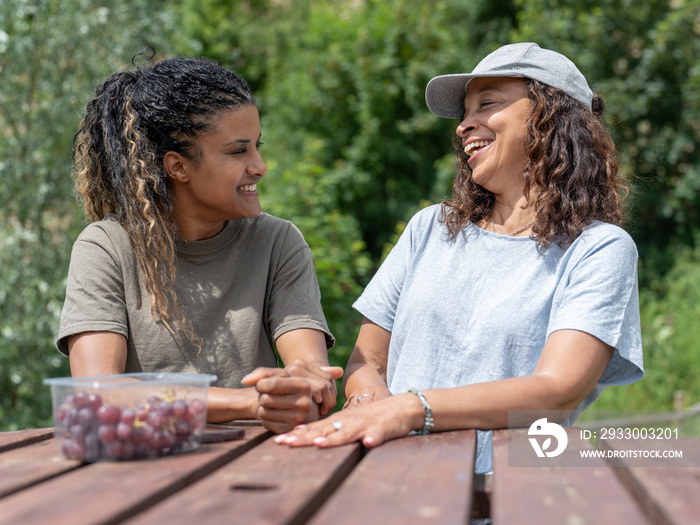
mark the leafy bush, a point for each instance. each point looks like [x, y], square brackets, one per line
[52, 54]
[305, 193]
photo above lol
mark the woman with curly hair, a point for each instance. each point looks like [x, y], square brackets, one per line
[517, 293]
[179, 271]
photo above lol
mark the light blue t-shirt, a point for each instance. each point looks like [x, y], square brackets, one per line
[480, 307]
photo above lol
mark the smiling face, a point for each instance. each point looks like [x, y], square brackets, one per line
[494, 131]
[220, 183]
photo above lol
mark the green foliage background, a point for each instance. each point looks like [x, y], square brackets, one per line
[351, 148]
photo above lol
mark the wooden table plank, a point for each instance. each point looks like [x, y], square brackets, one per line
[667, 492]
[557, 494]
[271, 484]
[417, 479]
[25, 466]
[109, 492]
[20, 438]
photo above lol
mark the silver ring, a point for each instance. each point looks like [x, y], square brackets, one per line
[337, 425]
[359, 398]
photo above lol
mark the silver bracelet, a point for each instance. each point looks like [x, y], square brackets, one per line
[428, 423]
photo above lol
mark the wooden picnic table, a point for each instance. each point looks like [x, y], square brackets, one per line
[252, 480]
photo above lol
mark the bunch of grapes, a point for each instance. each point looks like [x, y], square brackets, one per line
[92, 429]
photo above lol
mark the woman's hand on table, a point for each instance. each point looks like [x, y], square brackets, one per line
[299, 393]
[372, 424]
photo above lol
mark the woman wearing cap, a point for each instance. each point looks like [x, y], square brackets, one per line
[519, 292]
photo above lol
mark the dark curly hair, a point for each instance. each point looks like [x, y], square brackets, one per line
[133, 120]
[571, 163]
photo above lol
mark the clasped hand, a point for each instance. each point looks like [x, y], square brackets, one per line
[299, 393]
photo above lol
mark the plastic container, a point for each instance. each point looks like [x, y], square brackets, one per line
[129, 416]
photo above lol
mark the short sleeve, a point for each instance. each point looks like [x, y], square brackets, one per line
[600, 297]
[380, 298]
[295, 297]
[95, 297]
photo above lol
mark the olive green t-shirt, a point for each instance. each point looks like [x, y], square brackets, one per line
[241, 290]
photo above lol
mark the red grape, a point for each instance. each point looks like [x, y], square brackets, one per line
[107, 433]
[92, 429]
[128, 416]
[123, 431]
[108, 414]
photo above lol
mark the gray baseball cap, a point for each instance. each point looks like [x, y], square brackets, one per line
[445, 93]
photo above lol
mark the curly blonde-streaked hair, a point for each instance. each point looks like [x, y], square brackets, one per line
[133, 120]
[571, 165]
